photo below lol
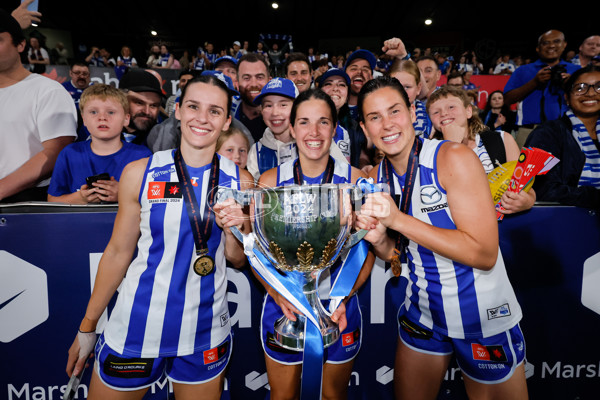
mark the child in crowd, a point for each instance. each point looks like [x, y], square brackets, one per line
[277, 145]
[105, 112]
[234, 145]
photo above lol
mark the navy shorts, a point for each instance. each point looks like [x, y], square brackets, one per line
[486, 360]
[122, 372]
[342, 351]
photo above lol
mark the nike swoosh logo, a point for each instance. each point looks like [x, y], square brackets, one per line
[4, 304]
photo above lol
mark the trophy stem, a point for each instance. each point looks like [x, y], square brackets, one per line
[290, 334]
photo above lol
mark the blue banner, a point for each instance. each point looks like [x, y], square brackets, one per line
[49, 256]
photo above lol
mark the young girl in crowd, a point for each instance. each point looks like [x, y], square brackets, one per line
[458, 299]
[234, 145]
[171, 314]
[407, 72]
[454, 119]
[313, 120]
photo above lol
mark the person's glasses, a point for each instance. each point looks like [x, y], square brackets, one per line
[579, 89]
[78, 73]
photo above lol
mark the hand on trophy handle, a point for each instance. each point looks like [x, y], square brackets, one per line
[339, 316]
[381, 206]
[286, 307]
[229, 213]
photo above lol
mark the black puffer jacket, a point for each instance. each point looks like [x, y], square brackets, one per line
[561, 183]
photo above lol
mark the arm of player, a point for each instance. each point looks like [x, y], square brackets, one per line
[229, 214]
[116, 257]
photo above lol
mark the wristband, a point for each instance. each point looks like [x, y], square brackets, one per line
[406, 57]
[87, 341]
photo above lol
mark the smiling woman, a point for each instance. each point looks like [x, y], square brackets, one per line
[167, 202]
[313, 119]
[446, 229]
[573, 138]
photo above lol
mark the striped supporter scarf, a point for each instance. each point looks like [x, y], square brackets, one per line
[590, 176]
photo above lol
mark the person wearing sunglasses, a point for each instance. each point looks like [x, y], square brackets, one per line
[573, 138]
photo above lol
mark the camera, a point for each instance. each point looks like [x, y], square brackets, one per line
[556, 78]
[100, 177]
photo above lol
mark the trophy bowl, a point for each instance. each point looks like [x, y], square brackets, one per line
[302, 230]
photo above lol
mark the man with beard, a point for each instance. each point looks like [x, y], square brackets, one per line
[80, 80]
[144, 95]
[359, 67]
[297, 69]
[252, 75]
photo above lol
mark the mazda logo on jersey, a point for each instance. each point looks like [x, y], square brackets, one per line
[430, 195]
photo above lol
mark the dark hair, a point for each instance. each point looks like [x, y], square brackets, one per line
[296, 56]
[192, 72]
[79, 63]
[422, 58]
[575, 75]
[488, 105]
[376, 84]
[252, 58]
[9, 24]
[209, 80]
[313, 94]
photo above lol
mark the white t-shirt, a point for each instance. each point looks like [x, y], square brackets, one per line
[33, 110]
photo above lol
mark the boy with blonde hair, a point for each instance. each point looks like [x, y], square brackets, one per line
[89, 171]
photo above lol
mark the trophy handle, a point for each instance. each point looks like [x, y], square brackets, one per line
[356, 237]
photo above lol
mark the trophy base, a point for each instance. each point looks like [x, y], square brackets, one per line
[290, 334]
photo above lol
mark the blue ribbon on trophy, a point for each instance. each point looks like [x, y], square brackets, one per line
[269, 254]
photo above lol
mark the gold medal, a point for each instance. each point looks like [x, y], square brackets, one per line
[204, 265]
[396, 265]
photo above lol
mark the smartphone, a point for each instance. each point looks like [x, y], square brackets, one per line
[33, 6]
[73, 385]
[100, 177]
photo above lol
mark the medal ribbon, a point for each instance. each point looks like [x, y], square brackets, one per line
[409, 183]
[327, 174]
[201, 228]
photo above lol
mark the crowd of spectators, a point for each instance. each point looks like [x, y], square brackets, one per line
[515, 110]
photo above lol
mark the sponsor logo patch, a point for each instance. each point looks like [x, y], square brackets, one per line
[127, 367]
[164, 192]
[494, 353]
[215, 354]
[498, 312]
[348, 339]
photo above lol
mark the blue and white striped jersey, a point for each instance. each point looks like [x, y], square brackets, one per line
[164, 308]
[453, 299]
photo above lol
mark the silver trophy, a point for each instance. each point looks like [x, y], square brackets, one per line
[303, 230]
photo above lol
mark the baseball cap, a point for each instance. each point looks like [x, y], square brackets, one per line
[237, 43]
[10, 25]
[225, 58]
[334, 72]
[364, 54]
[223, 78]
[138, 80]
[278, 86]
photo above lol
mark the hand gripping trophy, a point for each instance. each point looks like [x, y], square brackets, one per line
[298, 232]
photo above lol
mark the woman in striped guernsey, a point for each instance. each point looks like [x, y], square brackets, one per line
[313, 119]
[458, 298]
[171, 316]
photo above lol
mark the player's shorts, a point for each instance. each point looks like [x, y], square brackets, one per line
[342, 351]
[486, 360]
[124, 373]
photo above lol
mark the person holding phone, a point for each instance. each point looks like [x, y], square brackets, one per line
[27, 13]
[171, 314]
[89, 171]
